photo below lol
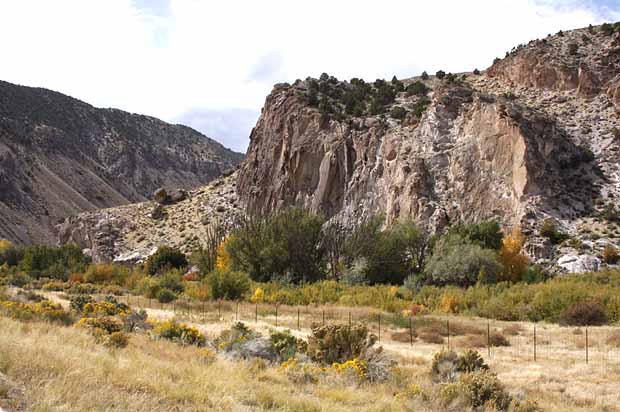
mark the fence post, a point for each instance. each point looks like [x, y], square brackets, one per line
[276, 315]
[379, 337]
[448, 328]
[219, 309]
[587, 345]
[534, 343]
[349, 319]
[323, 317]
[298, 328]
[488, 338]
[410, 331]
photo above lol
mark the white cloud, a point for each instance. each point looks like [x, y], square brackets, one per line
[170, 58]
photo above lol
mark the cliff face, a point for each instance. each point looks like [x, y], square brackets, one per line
[472, 155]
[60, 156]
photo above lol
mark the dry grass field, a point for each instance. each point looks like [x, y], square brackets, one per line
[47, 367]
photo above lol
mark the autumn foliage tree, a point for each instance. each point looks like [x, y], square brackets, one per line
[222, 261]
[514, 262]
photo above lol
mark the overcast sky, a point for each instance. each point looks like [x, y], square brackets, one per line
[210, 64]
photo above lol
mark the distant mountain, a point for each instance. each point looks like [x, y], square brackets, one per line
[60, 156]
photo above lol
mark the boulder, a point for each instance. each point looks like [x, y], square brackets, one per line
[579, 263]
[168, 197]
[158, 212]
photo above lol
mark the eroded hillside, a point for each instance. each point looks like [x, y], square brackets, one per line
[60, 156]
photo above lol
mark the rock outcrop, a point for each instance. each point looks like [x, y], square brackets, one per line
[60, 156]
[131, 233]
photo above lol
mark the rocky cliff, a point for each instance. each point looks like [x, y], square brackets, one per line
[535, 136]
[60, 156]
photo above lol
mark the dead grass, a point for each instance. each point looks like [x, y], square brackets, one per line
[495, 339]
[51, 362]
[512, 329]
[403, 336]
[613, 339]
[430, 336]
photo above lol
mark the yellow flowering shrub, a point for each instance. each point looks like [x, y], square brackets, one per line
[258, 296]
[207, 356]
[44, 310]
[449, 303]
[353, 366]
[230, 338]
[108, 324]
[298, 372]
[103, 308]
[179, 332]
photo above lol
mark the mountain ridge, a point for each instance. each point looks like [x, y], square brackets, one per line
[60, 156]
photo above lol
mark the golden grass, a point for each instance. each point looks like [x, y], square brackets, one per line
[52, 361]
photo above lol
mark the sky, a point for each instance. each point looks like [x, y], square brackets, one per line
[210, 64]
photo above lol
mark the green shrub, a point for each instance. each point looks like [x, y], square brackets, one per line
[338, 343]
[417, 88]
[285, 345]
[584, 314]
[165, 296]
[53, 262]
[487, 234]
[444, 366]
[165, 258]
[398, 112]
[77, 302]
[285, 246]
[421, 106]
[230, 338]
[481, 388]
[440, 74]
[389, 255]
[227, 284]
[10, 254]
[172, 280]
[549, 230]
[456, 262]
[19, 279]
[471, 361]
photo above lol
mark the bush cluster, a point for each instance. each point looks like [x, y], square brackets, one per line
[339, 343]
[178, 332]
[356, 98]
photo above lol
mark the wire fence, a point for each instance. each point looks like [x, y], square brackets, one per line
[493, 339]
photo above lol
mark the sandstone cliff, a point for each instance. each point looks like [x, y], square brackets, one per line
[60, 156]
